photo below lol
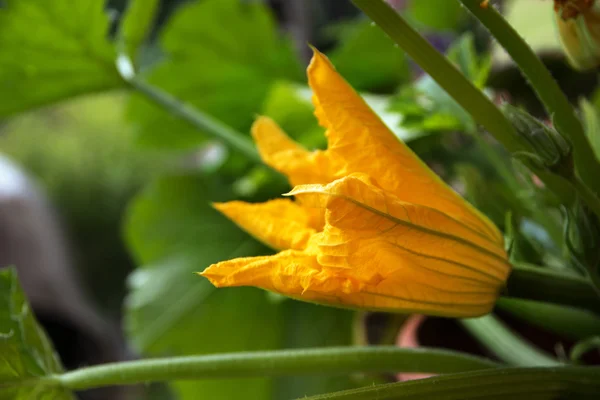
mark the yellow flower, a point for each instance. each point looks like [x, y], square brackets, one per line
[578, 24]
[371, 226]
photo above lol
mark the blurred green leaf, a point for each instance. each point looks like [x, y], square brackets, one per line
[136, 25]
[173, 231]
[295, 114]
[436, 14]
[89, 189]
[307, 325]
[426, 107]
[369, 59]
[549, 383]
[222, 57]
[52, 51]
[26, 354]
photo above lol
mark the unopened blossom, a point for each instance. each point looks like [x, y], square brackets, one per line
[370, 226]
[578, 24]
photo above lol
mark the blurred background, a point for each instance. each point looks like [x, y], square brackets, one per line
[70, 172]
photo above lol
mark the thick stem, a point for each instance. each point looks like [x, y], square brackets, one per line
[198, 119]
[341, 360]
[542, 284]
[556, 102]
[506, 383]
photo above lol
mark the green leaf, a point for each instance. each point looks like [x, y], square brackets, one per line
[426, 107]
[52, 50]
[26, 354]
[549, 383]
[295, 114]
[226, 72]
[307, 325]
[368, 58]
[136, 25]
[173, 232]
[436, 14]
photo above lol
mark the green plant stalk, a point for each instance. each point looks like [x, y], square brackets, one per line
[334, 360]
[481, 108]
[583, 347]
[442, 71]
[543, 383]
[505, 344]
[569, 322]
[557, 105]
[543, 284]
[198, 119]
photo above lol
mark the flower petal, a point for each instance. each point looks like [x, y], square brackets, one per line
[435, 261]
[288, 157]
[280, 224]
[361, 142]
[292, 273]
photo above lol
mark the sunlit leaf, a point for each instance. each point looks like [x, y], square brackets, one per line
[26, 354]
[52, 50]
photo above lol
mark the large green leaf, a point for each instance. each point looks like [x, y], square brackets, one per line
[53, 50]
[173, 231]
[26, 354]
[549, 383]
[222, 56]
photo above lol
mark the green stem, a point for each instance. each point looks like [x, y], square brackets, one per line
[442, 71]
[543, 284]
[477, 104]
[563, 115]
[198, 119]
[340, 360]
[505, 344]
[504, 383]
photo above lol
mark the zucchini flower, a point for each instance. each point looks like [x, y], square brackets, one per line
[578, 24]
[370, 226]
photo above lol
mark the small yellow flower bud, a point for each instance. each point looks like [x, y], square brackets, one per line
[578, 24]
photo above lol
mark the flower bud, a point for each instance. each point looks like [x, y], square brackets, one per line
[549, 149]
[578, 24]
